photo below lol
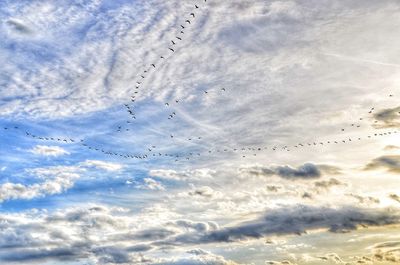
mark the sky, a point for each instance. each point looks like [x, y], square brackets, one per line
[205, 132]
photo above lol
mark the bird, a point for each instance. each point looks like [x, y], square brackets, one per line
[172, 49]
[153, 65]
[182, 26]
[192, 14]
[162, 57]
[188, 21]
[179, 38]
[205, 92]
[173, 42]
[196, 6]
[167, 104]
[223, 89]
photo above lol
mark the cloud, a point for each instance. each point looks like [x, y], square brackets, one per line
[294, 220]
[284, 262]
[204, 191]
[54, 180]
[365, 199]
[93, 232]
[108, 166]
[150, 184]
[388, 118]
[394, 197]
[188, 175]
[332, 257]
[390, 162]
[58, 182]
[326, 184]
[391, 147]
[49, 150]
[306, 171]
[387, 252]
[200, 257]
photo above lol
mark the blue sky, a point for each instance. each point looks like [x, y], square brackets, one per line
[199, 132]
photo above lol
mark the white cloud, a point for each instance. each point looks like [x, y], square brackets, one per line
[45, 150]
[108, 166]
[55, 185]
[150, 184]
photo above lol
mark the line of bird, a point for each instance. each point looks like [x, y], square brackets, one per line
[189, 139]
[153, 151]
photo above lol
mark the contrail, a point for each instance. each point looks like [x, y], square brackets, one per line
[348, 58]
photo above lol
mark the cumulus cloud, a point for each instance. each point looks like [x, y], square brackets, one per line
[95, 232]
[295, 220]
[57, 181]
[111, 234]
[49, 150]
[389, 162]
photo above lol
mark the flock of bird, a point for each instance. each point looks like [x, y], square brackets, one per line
[153, 152]
[155, 65]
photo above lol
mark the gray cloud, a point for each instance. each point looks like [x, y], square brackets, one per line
[388, 118]
[326, 184]
[294, 220]
[394, 197]
[365, 199]
[306, 171]
[390, 162]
